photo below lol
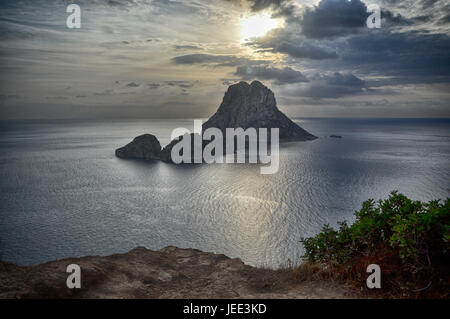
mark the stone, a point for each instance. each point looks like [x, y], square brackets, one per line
[253, 105]
[146, 147]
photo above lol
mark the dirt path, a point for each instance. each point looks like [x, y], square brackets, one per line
[169, 273]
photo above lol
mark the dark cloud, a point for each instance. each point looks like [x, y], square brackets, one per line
[181, 84]
[280, 76]
[228, 82]
[57, 98]
[187, 47]
[333, 86]
[408, 56]
[340, 79]
[306, 50]
[287, 41]
[389, 19]
[423, 57]
[215, 60]
[428, 3]
[4, 97]
[104, 93]
[133, 85]
[445, 19]
[154, 85]
[258, 5]
[118, 3]
[332, 18]
[287, 9]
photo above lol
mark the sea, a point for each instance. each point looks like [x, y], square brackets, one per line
[65, 194]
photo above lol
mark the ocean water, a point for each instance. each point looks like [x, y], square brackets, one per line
[65, 194]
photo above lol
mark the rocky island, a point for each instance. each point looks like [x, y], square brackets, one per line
[253, 105]
[145, 147]
[244, 106]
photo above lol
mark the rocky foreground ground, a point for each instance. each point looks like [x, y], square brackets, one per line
[169, 273]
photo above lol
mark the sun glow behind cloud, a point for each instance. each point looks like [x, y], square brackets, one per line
[258, 25]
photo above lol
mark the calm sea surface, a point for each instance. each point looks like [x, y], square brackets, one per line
[65, 194]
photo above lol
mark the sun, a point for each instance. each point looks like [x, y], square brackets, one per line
[257, 25]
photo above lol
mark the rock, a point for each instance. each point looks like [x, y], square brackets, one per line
[244, 106]
[253, 105]
[166, 153]
[145, 147]
[169, 273]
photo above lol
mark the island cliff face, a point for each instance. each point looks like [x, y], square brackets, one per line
[244, 106]
[253, 105]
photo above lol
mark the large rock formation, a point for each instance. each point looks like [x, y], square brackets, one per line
[145, 147]
[166, 153]
[244, 106]
[253, 105]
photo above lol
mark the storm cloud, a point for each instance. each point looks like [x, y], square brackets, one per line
[215, 60]
[279, 76]
[333, 86]
[332, 18]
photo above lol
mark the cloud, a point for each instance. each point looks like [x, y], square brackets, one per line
[288, 42]
[215, 60]
[228, 82]
[154, 86]
[389, 19]
[333, 18]
[187, 47]
[445, 19]
[428, 3]
[258, 5]
[180, 84]
[57, 98]
[306, 50]
[104, 93]
[423, 57]
[280, 76]
[333, 86]
[4, 97]
[133, 85]
[287, 9]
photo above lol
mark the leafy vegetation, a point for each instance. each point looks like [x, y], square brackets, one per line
[410, 240]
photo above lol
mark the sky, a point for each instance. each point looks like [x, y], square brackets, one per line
[175, 59]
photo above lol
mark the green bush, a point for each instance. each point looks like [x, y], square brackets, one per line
[408, 238]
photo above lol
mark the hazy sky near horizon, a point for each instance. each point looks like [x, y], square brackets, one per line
[174, 58]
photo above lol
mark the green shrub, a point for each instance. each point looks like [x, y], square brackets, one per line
[408, 239]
